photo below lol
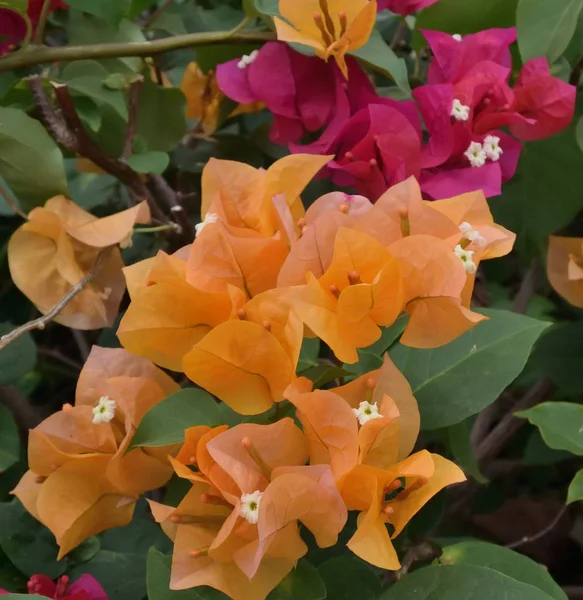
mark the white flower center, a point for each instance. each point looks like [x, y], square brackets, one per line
[459, 111]
[366, 412]
[247, 59]
[476, 154]
[104, 412]
[492, 147]
[471, 234]
[208, 219]
[457, 37]
[250, 506]
[466, 256]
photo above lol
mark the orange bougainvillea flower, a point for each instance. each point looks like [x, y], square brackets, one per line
[565, 268]
[266, 202]
[239, 532]
[82, 480]
[248, 362]
[204, 99]
[58, 246]
[167, 315]
[392, 496]
[360, 290]
[331, 27]
[434, 280]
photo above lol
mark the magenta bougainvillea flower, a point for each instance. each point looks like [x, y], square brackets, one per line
[85, 588]
[404, 7]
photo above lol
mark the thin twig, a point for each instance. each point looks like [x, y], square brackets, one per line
[528, 288]
[39, 36]
[133, 106]
[424, 551]
[156, 14]
[399, 35]
[12, 205]
[82, 343]
[532, 538]
[56, 355]
[43, 321]
[169, 197]
[18, 404]
[576, 74]
[41, 55]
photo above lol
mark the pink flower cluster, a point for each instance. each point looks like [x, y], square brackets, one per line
[378, 142]
[85, 588]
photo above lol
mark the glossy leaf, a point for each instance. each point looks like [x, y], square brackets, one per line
[303, 583]
[9, 439]
[462, 450]
[165, 423]
[458, 380]
[347, 578]
[575, 492]
[18, 358]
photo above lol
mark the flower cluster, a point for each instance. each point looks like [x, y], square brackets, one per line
[82, 478]
[231, 310]
[237, 528]
[84, 588]
[333, 108]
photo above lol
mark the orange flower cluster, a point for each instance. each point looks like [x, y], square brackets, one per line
[59, 245]
[232, 309]
[237, 528]
[565, 268]
[82, 480]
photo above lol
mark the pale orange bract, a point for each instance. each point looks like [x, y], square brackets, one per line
[58, 246]
[565, 268]
[82, 480]
[331, 27]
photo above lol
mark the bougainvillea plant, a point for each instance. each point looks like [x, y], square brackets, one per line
[291, 299]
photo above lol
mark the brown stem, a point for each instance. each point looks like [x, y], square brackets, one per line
[528, 288]
[169, 197]
[156, 14]
[532, 538]
[25, 416]
[43, 321]
[39, 35]
[133, 106]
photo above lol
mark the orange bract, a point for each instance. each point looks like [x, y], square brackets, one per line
[82, 480]
[565, 268]
[331, 27]
[58, 246]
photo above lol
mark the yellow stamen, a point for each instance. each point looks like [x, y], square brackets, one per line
[327, 18]
[353, 277]
[256, 457]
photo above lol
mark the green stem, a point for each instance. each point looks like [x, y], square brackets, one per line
[167, 227]
[39, 35]
[36, 55]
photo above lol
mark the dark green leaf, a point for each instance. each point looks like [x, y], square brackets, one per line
[579, 132]
[165, 423]
[303, 583]
[149, 162]
[464, 581]
[16, 5]
[560, 424]
[109, 10]
[377, 55]
[308, 354]
[462, 450]
[9, 440]
[158, 582]
[23, 143]
[537, 453]
[456, 381]
[348, 578]
[322, 374]
[367, 361]
[18, 358]
[545, 27]
[388, 337]
[505, 561]
[575, 492]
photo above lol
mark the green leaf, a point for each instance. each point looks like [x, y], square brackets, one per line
[303, 583]
[378, 56]
[462, 450]
[308, 354]
[29, 545]
[579, 132]
[367, 361]
[558, 355]
[524, 206]
[464, 16]
[87, 77]
[109, 10]
[20, 6]
[463, 581]
[9, 441]
[23, 597]
[18, 358]
[505, 561]
[322, 374]
[560, 424]
[161, 117]
[158, 582]
[575, 492]
[456, 381]
[149, 162]
[537, 453]
[24, 143]
[348, 578]
[165, 423]
[545, 27]
[388, 337]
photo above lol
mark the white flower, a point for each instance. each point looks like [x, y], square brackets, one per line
[247, 59]
[457, 37]
[208, 218]
[250, 506]
[104, 411]
[459, 111]
[471, 234]
[476, 154]
[466, 256]
[492, 147]
[367, 411]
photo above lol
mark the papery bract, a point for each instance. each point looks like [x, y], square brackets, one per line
[565, 268]
[405, 7]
